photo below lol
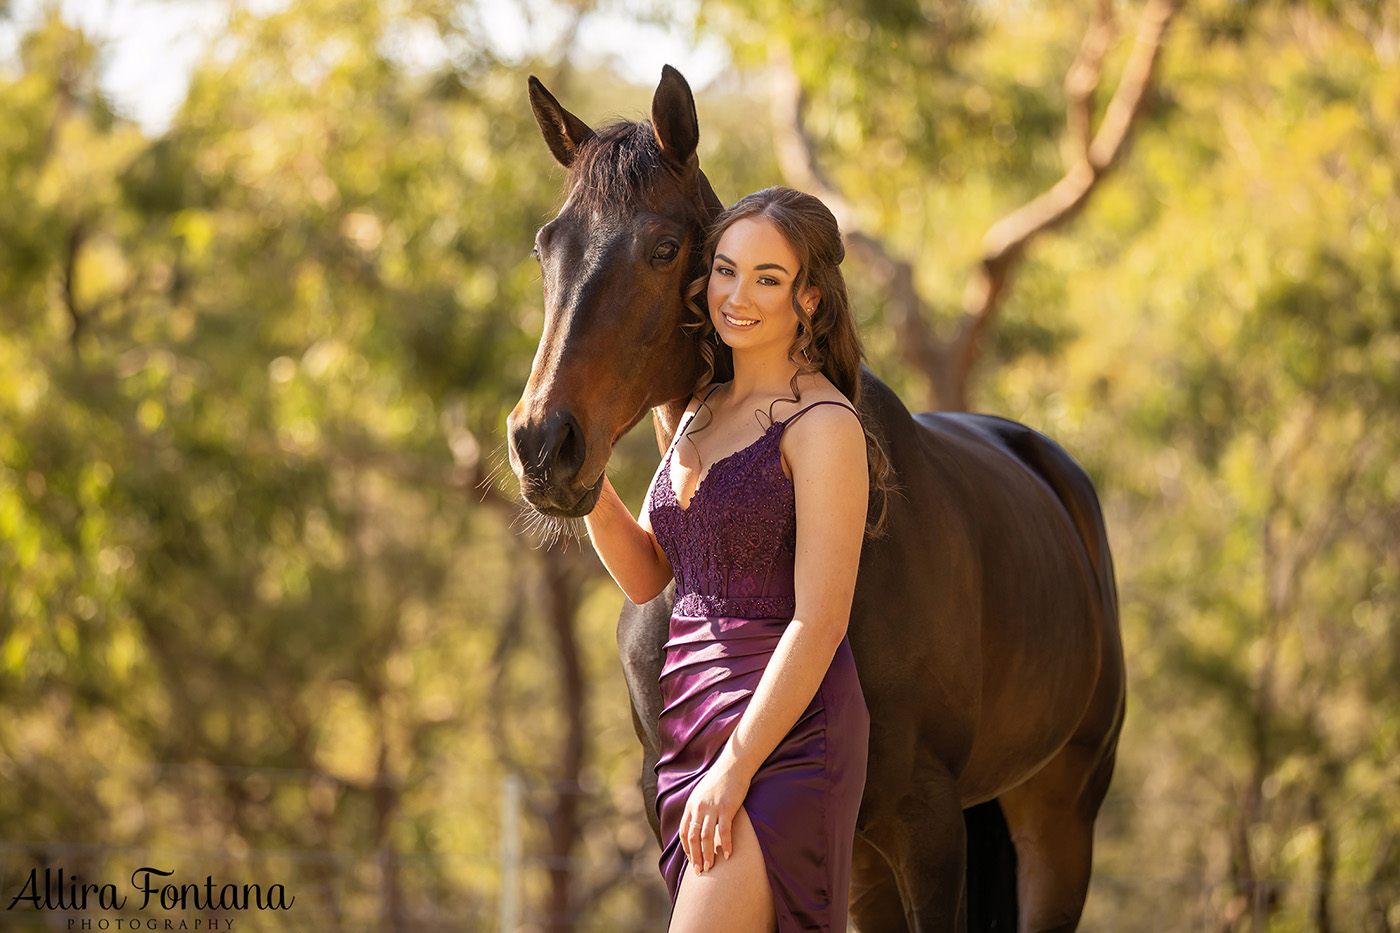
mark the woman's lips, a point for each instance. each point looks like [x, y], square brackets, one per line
[738, 322]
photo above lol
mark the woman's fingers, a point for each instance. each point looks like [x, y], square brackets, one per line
[701, 839]
[694, 851]
[707, 829]
[707, 840]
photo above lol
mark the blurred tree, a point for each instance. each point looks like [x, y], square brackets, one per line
[250, 361]
[263, 585]
[1233, 385]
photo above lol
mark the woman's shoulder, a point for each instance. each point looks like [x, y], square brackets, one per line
[812, 395]
[820, 436]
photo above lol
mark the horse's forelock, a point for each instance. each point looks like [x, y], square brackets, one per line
[617, 167]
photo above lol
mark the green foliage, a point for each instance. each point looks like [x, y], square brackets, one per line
[232, 536]
[249, 604]
[1234, 384]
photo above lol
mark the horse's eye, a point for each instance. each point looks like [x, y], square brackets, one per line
[536, 253]
[665, 251]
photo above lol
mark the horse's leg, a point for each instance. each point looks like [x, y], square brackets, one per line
[925, 840]
[641, 643]
[875, 905]
[991, 870]
[1051, 819]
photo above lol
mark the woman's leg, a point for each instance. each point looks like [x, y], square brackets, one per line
[733, 895]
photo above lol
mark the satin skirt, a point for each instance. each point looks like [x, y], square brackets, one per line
[803, 799]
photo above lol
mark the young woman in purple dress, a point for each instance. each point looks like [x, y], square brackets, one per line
[764, 728]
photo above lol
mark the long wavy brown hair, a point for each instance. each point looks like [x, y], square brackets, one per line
[826, 342]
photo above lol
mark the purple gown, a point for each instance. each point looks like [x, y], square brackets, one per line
[732, 550]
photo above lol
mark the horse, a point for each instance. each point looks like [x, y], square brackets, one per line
[984, 625]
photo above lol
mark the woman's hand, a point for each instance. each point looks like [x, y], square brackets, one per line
[707, 825]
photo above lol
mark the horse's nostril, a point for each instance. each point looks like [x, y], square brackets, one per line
[560, 445]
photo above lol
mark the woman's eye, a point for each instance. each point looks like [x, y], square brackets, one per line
[768, 280]
[723, 270]
[665, 251]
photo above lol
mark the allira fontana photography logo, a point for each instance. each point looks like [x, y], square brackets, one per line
[150, 889]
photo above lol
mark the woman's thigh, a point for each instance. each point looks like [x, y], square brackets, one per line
[733, 895]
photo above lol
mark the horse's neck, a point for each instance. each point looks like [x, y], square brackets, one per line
[666, 418]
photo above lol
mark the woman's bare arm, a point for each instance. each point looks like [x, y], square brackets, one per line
[831, 483]
[628, 546]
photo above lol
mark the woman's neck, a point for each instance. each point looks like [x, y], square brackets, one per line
[761, 376]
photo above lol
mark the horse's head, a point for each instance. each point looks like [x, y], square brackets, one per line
[615, 262]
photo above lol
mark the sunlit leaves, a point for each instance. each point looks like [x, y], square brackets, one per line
[239, 362]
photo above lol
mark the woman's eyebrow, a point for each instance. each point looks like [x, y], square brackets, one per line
[766, 265]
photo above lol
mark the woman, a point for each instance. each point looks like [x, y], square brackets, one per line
[763, 729]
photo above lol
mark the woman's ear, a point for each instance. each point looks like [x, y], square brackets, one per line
[811, 297]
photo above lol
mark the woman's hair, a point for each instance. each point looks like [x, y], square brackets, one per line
[826, 342]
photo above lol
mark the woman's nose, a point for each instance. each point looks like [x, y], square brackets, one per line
[739, 297]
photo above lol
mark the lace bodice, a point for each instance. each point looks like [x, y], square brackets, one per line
[733, 547]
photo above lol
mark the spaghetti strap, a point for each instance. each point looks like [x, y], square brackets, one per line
[787, 421]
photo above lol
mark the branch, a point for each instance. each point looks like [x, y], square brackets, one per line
[797, 160]
[1082, 80]
[947, 365]
[1008, 238]
[562, 597]
[507, 640]
[72, 247]
[1285, 563]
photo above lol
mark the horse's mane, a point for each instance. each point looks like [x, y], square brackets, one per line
[619, 163]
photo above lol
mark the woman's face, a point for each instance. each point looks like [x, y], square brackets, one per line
[750, 291]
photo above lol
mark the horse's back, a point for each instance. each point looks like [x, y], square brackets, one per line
[1047, 460]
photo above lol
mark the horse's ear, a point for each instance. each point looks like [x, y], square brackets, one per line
[673, 117]
[563, 132]
[709, 201]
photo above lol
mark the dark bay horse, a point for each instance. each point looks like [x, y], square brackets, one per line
[984, 627]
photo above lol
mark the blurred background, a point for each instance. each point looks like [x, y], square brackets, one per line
[269, 610]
